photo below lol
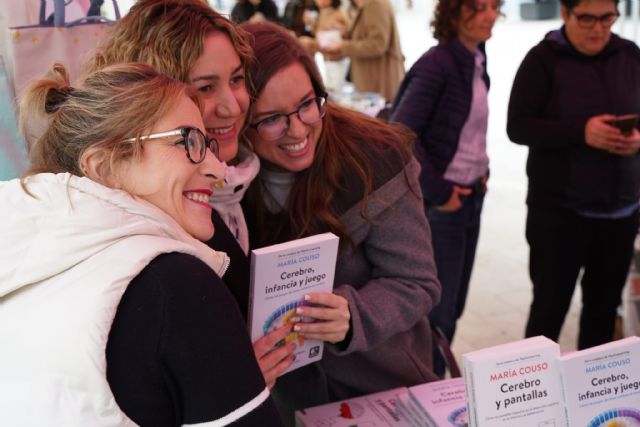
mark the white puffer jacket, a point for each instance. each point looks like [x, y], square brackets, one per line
[66, 258]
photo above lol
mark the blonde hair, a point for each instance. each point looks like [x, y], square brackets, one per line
[168, 35]
[112, 104]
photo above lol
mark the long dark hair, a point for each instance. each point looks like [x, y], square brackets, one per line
[340, 150]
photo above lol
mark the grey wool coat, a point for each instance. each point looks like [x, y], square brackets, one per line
[389, 278]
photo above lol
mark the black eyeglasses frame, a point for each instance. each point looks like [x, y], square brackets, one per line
[209, 143]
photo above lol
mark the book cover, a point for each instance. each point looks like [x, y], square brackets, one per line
[442, 403]
[602, 385]
[515, 384]
[280, 277]
[373, 410]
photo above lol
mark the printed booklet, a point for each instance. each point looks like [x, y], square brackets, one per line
[602, 384]
[281, 275]
[515, 384]
[440, 403]
[372, 410]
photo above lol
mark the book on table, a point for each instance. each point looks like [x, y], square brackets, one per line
[515, 384]
[372, 410]
[438, 403]
[601, 385]
[281, 275]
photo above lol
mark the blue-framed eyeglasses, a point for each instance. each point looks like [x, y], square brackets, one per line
[195, 142]
[275, 126]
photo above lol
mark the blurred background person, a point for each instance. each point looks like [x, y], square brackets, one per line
[443, 99]
[330, 17]
[254, 11]
[373, 46]
[584, 173]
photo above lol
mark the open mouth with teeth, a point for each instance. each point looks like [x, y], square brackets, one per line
[198, 197]
[295, 148]
[217, 132]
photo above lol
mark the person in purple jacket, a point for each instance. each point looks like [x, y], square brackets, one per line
[443, 99]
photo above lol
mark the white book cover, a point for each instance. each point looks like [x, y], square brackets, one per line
[602, 385]
[515, 384]
[281, 275]
[442, 402]
[372, 410]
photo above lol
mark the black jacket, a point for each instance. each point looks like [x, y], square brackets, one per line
[555, 91]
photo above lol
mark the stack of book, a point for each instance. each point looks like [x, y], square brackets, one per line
[515, 384]
[440, 403]
[524, 383]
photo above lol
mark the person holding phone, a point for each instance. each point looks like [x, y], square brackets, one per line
[584, 172]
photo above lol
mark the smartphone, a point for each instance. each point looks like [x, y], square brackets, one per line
[625, 123]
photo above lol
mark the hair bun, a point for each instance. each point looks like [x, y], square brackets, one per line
[56, 97]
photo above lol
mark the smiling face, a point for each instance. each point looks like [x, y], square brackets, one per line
[217, 78]
[589, 41]
[285, 92]
[166, 178]
[475, 24]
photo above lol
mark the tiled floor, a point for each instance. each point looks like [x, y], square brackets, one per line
[499, 297]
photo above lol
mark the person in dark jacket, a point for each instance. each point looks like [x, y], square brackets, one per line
[443, 99]
[254, 11]
[584, 174]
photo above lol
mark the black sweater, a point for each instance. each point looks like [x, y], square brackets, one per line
[178, 351]
[555, 91]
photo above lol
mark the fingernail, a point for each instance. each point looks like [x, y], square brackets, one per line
[296, 328]
[299, 310]
[307, 297]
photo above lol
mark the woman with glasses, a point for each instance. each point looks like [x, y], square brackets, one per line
[584, 172]
[443, 99]
[113, 310]
[189, 41]
[326, 168]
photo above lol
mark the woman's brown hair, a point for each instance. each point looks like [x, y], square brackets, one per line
[339, 152]
[446, 18]
[168, 35]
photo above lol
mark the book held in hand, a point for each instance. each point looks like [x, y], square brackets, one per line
[281, 275]
[515, 384]
[372, 410]
[601, 385]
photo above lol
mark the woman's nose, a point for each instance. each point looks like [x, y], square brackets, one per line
[296, 127]
[211, 166]
[227, 104]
